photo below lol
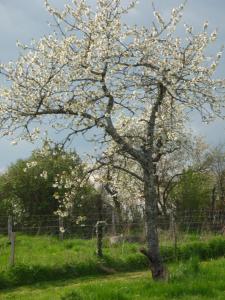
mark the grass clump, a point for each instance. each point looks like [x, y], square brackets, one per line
[186, 269]
[193, 280]
[44, 259]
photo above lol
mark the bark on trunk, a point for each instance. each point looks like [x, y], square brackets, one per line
[153, 254]
[118, 215]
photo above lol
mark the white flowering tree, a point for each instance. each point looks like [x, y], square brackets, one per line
[97, 71]
[124, 176]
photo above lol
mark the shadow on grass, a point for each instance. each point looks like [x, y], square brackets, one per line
[180, 286]
[21, 275]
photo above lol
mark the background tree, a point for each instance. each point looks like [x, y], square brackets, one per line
[192, 192]
[215, 161]
[189, 154]
[98, 71]
[29, 186]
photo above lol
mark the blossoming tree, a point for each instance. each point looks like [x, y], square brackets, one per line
[123, 177]
[96, 71]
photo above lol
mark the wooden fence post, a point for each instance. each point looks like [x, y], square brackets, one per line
[10, 227]
[12, 239]
[100, 226]
[173, 227]
[99, 235]
[12, 251]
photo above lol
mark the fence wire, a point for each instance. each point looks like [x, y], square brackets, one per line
[38, 238]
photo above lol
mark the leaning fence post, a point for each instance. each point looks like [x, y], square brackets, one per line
[99, 235]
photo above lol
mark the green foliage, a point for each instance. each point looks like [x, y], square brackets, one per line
[193, 191]
[72, 296]
[45, 259]
[186, 269]
[204, 284]
[26, 191]
[194, 280]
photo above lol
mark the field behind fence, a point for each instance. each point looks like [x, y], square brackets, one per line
[107, 235]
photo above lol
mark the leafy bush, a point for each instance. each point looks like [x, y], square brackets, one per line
[85, 263]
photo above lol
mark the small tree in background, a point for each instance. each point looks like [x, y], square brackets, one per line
[215, 162]
[29, 186]
[99, 72]
[192, 191]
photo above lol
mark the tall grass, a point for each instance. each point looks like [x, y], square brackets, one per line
[40, 259]
[191, 280]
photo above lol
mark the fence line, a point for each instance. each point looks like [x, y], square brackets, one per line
[194, 220]
[108, 230]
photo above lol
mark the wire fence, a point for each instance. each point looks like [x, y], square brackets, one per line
[20, 238]
[83, 227]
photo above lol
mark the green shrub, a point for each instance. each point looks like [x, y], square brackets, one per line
[72, 296]
[85, 263]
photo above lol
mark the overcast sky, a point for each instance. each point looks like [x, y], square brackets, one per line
[26, 19]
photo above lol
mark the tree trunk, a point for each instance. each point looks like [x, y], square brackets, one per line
[119, 217]
[153, 254]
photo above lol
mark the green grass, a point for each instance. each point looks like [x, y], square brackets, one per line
[44, 258]
[191, 280]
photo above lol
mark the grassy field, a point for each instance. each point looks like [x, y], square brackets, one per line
[191, 280]
[47, 268]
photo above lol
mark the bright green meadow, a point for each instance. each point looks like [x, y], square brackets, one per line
[47, 268]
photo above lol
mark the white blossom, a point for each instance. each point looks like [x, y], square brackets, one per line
[134, 84]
